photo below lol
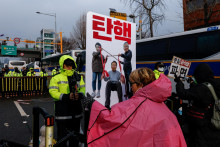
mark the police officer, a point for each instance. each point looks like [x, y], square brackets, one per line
[16, 73]
[31, 72]
[55, 71]
[24, 71]
[7, 82]
[158, 69]
[8, 73]
[67, 104]
[44, 75]
[2, 73]
[43, 72]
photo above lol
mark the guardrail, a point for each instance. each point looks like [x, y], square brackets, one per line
[23, 86]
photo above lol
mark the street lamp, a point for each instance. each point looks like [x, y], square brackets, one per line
[132, 16]
[53, 15]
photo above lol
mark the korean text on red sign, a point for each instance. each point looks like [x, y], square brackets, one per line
[107, 29]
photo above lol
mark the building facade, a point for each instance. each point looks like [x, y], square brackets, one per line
[47, 38]
[200, 13]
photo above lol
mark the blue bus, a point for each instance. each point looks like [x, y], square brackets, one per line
[197, 46]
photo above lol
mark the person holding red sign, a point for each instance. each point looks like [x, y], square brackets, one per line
[97, 69]
[127, 66]
[113, 84]
[199, 115]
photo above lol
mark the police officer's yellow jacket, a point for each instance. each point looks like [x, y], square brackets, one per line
[43, 74]
[59, 89]
[30, 74]
[9, 74]
[59, 84]
[16, 74]
[157, 73]
[81, 87]
[55, 72]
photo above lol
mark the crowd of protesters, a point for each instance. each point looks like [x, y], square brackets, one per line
[145, 120]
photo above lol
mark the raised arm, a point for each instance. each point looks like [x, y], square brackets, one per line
[127, 56]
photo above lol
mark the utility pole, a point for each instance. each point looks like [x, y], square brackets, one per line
[61, 43]
[140, 24]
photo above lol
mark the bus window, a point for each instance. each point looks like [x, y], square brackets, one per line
[208, 44]
[152, 50]
[184, 47]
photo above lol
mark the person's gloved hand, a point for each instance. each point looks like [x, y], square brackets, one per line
[190, 80]
[87, 101]
[177, 79]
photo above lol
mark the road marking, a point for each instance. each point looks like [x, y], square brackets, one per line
[20, 109]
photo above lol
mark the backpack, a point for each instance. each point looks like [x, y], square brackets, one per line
[215, 120]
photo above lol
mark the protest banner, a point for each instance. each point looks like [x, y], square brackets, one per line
[111, 34]
[179, 66]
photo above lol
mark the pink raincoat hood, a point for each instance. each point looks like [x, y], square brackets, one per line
[142, 121]
[157, 91]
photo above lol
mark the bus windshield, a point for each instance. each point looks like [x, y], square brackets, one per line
[18, 64]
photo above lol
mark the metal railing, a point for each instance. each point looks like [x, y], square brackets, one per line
[23, 86]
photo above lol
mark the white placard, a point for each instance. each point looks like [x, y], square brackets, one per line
[179, 66]
[111, 33]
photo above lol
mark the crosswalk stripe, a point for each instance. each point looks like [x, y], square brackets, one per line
[20, 109]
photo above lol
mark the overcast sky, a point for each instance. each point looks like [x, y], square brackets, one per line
[19, 18]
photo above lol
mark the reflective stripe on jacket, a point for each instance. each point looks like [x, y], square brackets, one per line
[59, 85]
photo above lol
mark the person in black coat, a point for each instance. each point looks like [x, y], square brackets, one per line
[201, 132]
[24, 71]
[127, 67]
[2, 73]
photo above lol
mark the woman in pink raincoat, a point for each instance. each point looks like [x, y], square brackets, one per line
[142, 121]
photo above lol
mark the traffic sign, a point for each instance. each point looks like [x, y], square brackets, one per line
[118, 15]
[29, 41]
[17, 40]
[9, 50]
[48, 51]
[21, 54]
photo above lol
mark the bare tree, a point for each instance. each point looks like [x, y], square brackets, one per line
[208, 11]
[67, 43]
[151, 13]
[78, 36]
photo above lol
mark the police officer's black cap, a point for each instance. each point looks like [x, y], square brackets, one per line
[158, 64]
